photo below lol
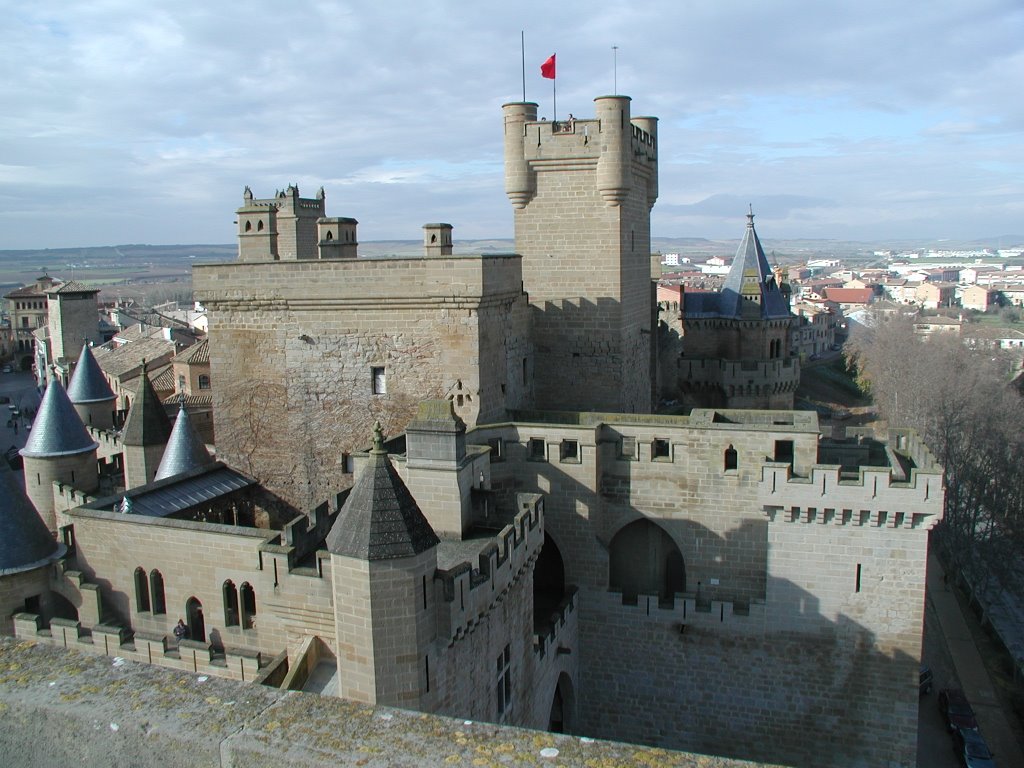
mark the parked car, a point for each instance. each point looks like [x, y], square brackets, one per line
[972, 749]
[956, 710]
[13, 458]
[925, 684]
[7, 369]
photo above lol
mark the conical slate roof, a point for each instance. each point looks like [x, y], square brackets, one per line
[750, 289]
[25, 542]
[88, 384]
[185, 450]
[57, 430]
[380, 519]
[147, 422]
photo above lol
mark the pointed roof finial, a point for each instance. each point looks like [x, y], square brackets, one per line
[750, 215]
[378, 438]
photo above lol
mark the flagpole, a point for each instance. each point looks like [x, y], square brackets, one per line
[522, 47]
[615, 69]
[554, 98]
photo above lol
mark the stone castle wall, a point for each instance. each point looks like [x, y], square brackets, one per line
[770, 635]
[293, 347]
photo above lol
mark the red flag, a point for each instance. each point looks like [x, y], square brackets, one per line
[547, 69]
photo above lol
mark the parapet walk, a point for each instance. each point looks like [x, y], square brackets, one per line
[59, 707]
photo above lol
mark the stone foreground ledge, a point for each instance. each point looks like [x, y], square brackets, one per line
[60, 707]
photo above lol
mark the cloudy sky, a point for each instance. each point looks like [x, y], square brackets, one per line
[141, 122]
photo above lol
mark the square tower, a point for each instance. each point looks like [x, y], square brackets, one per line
[582, 191]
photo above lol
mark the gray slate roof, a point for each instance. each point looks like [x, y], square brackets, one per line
[25, 542]
[147, 422]
[163, 498]
[88, 384]
[185, 450]
[57, 429]
[380, 520]
[750, 289]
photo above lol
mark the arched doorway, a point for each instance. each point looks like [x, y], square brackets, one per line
[643, 559]
[196, 622]
[548, 583]
[563, 706]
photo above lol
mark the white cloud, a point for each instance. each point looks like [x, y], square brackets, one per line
[903, 117]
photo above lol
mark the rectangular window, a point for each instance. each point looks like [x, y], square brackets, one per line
[204, 381]
[380, 385]
[627, 448]
[537, 449]
[784, 451]
[661, 450]
[497, 446]
[348, 465]
[503, 687]
[569, 451]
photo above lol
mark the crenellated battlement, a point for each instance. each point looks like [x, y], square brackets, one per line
[876, 496]
[470, 591]
[148, 647]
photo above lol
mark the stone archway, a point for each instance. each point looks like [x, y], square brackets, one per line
[548, 583]
[562, 718]
[643, 559]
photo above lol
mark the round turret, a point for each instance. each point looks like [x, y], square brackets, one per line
[613, 167]
[520, 181]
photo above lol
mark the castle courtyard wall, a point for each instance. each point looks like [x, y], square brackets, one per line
[770, 637]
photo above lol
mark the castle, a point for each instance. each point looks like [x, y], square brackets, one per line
[524, 542]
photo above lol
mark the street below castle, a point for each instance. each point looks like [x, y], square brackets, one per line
[955, 658]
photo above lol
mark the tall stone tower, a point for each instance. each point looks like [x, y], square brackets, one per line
[73, 319]
[284, 227]
[582, 191]
[736, 343]
[383, 561]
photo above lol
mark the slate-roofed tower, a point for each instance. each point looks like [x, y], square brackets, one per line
[90, 392]
[582, 192]
[26, 549]
[737, 342]
[383, 560]
[185, 450]
[59, 448]
[145, 435]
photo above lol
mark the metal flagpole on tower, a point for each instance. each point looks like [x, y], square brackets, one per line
[522, 46]
[615, 70]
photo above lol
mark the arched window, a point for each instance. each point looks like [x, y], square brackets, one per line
[259, 225]
[731, 458]
[248, 226]
[248, 606]
[330, 236]
[230, 604]
[156, 590]
[141, 590]
[196, 620]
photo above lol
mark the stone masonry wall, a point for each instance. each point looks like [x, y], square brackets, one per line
[775, 640]
[293, 345]
[65, 708]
